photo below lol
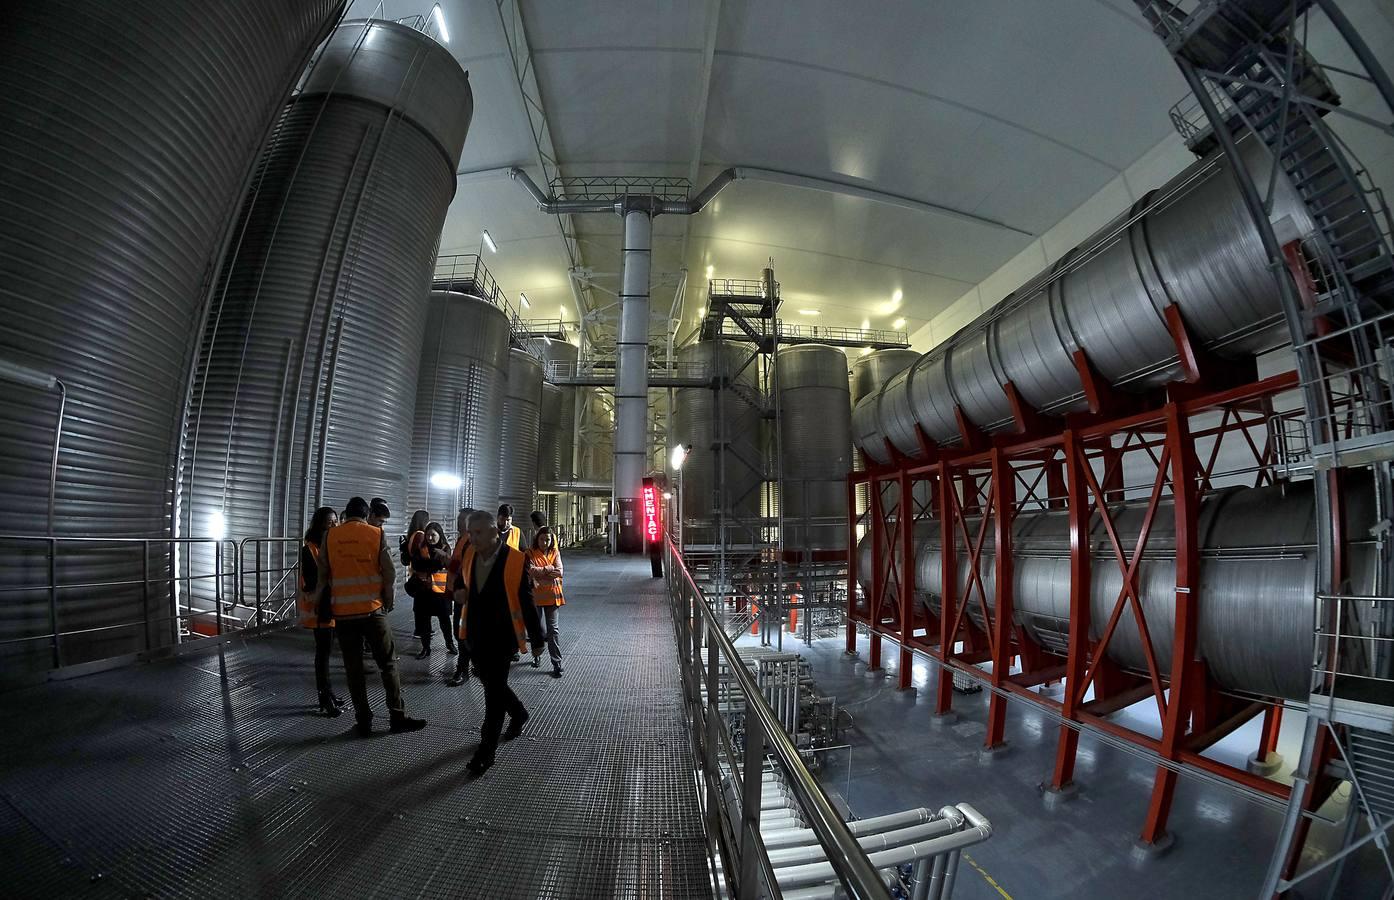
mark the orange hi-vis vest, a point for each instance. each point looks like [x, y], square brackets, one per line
[436, 580]
[355, 577]
[513, 537]
[305, 603]
[546, 590]
[512, 581]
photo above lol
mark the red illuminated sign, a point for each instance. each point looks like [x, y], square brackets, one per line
[653, 513]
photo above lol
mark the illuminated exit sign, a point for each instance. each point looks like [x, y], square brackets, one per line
[652, 512]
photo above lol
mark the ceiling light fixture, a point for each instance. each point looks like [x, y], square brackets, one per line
[489, 242]
[897, 296]
[810, 312]
[523, 299]
[440, 23]
[865, 351]
[866, 324]
[898, 323]
[710, 270]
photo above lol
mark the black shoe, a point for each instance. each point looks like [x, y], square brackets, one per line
[338, 701]
[479, 765]
[458, 678]
[328, 706]
[536, 661]
[515, 727]
[364, 729]
[451, 651]
[517, 656]
[402, 723]
[425, 652]
[556, 671]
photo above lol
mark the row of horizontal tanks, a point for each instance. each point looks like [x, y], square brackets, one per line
[1188, 247]
[225, 263]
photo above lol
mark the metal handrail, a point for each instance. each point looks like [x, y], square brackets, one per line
[694, 618]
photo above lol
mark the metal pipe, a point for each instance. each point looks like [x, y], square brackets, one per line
[794, 836]
[632, 375]
[882, 840]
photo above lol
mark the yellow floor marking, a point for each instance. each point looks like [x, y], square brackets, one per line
[986, 877]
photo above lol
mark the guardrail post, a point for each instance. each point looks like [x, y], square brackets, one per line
[53, 600]
[711, 743]
[751, 779]
[145, 588]
[258, 565]
[218, 586]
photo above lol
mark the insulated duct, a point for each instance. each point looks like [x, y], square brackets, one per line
[307, 384]
[1189, 245]
[459, 407]
[130, 132]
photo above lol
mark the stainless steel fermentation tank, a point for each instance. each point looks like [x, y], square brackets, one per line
[815, 422]
[459, 407]
[306, 389]
[1255, 594]
[130, 132]
[522, 421]
[1189, 244]
[695, 424]
[556, 441]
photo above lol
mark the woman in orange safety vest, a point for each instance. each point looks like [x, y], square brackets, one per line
[546, 589]
[307, 605]
[429, 554]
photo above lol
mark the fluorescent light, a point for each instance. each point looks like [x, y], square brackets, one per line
[866, 324]
[898, 323]
[444, 481]
[710, 270]
[897, 296]
[547, 340]
[701, 311]
[217, 525]
[523, 299]
[489, 242]
[678, 456]
[440, 22]
[865, 351]
[810, 312]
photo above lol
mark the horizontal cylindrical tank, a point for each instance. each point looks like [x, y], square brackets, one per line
[459, 406]
[1255, 594]
[130, 130]
[522, 420]
[815, 422]
[1190, 245]
[307, 387]
[702, 417]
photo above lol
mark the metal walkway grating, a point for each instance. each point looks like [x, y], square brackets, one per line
[211, 776]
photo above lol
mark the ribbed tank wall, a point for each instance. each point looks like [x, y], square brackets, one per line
[1255, 595]
[306, 389]
[522, 414]
[459, 405]
[129, 132]
[1189, 244]
[695, 415]
[815, 409]
[557, 443]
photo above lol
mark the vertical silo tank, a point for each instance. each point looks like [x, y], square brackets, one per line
[869, 372]
[459, 407]
[815, 425]
[522, 413]
[307, 385]
[695, 423]
[548, 436]
[554, 459]
[130, 132]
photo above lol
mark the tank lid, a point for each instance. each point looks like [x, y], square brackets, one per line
[403, 69]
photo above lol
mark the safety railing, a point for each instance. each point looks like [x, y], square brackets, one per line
[1353, 656]
[742, 288]
[62, 574]
[275, 585]
[733, 830]
[565, 370]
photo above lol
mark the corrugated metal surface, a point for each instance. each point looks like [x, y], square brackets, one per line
[548, 440]
[522, 418]
[307, 386]
[129, 132]
[558, 435]
[1256, 589]
[869, 373]
[695, 422]
[1190, 244]
[459, 405]
[815, 445]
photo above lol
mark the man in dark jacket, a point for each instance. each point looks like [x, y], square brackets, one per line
[498, 620]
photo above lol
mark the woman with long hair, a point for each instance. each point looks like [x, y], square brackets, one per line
[311, 615]
[429, 554]
[546, 571]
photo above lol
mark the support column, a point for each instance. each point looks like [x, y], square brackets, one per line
[632, 377]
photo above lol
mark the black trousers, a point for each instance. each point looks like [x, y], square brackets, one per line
[499, 701]
[463, 662]
[324, 648]
[428, 607]
[373, 631]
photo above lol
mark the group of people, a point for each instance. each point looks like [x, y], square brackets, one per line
[498, 598]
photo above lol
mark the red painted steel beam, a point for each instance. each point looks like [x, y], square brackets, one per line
[907, 579]
[1077, 659]
[1003, 501]
[852, 481]
[948, 589]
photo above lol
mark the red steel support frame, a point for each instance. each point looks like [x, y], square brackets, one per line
[1083, 465]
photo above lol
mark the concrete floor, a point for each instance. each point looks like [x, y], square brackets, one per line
[901, 757]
